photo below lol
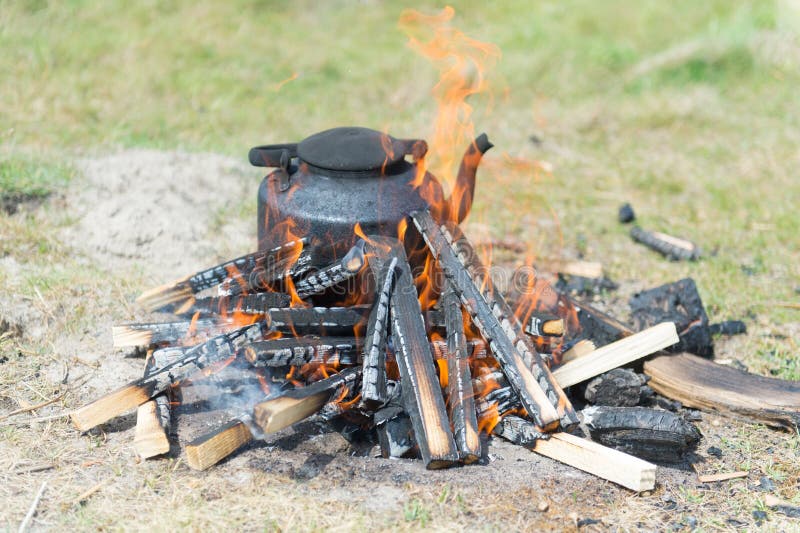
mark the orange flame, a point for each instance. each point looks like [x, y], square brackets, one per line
[463, 64]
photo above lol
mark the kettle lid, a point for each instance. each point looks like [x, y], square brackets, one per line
[355, 149]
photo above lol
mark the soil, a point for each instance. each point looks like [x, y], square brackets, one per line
[148, 217]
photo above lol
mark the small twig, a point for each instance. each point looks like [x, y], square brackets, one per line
[35, 419]
[42, 404]
[32, 510]
[45, 304]
[86, 495]
[39, 467]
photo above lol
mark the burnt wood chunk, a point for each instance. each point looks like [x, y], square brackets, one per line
[383, 265]
[703, 384]
[158, 333]
[298, 351]
[620, 387]
[393, 426]
[138, 392]
[342, 270]
[422, 393]
[596, 326]
[677, 302]
[460, 396]
[525, 370]
[252, 271]
[651, 434]
[275, 414]
[251, 304]
[519, 431]
[672, 248]
[728, 327]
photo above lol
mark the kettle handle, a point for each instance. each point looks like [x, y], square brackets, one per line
[272, 155]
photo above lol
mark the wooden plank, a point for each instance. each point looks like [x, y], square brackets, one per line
[617, 354]
[460, 396]
[151, 438]
[703, 384]
[725, 476]
[275, 414]
[612, 465]
[524, 368]
[211, 448]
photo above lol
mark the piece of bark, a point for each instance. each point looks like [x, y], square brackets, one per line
[338, 272]
[275, 414]
[673, 248]
[630, 472]
[677, 302]
[617, 354]
[422, 393]
[298, 351]
[651, 434]
[703, 384]
[382, 265]
[620, 387]
[266, 266]
[138, 392]
[525, 370]
[211, 448]
[460, 396]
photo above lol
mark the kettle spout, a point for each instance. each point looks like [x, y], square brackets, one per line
[460, 201]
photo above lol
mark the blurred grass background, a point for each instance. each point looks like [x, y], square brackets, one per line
[686, 109]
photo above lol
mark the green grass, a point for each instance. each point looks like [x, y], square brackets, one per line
[30, 178]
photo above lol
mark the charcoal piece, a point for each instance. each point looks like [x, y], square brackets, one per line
[651, 434]
[597, 326]
[518, 430]
[677, 302]
[620, 387]
[728, 327]
[626, 213]
[396, 437]
[583, 286]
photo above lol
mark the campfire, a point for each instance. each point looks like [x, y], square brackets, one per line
[367, 303]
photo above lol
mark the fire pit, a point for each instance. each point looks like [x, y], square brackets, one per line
[365, 303]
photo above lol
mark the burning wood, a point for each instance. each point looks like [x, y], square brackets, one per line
[541, 397]
[299, 351]
[459, 382]
[422, 395]
[274, 414]
[138, 392]
[332, 275]
[256, 270]
[373, 379]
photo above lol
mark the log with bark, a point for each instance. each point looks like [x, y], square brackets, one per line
[651, 434]
[703, 384]
[539, 393]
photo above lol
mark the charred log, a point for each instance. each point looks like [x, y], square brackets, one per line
[460, 396]
[620, 387]
[541, 396]
[298, 351]
[251, 304]
[422, 394]
[519, 431]
[728, 327]
[672, 248]
[650, 434]
[545, 326]
[373, 383]
[322, 280]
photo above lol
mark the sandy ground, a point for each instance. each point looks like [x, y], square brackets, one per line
[144, 217]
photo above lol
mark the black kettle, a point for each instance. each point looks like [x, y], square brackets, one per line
[332, 180]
